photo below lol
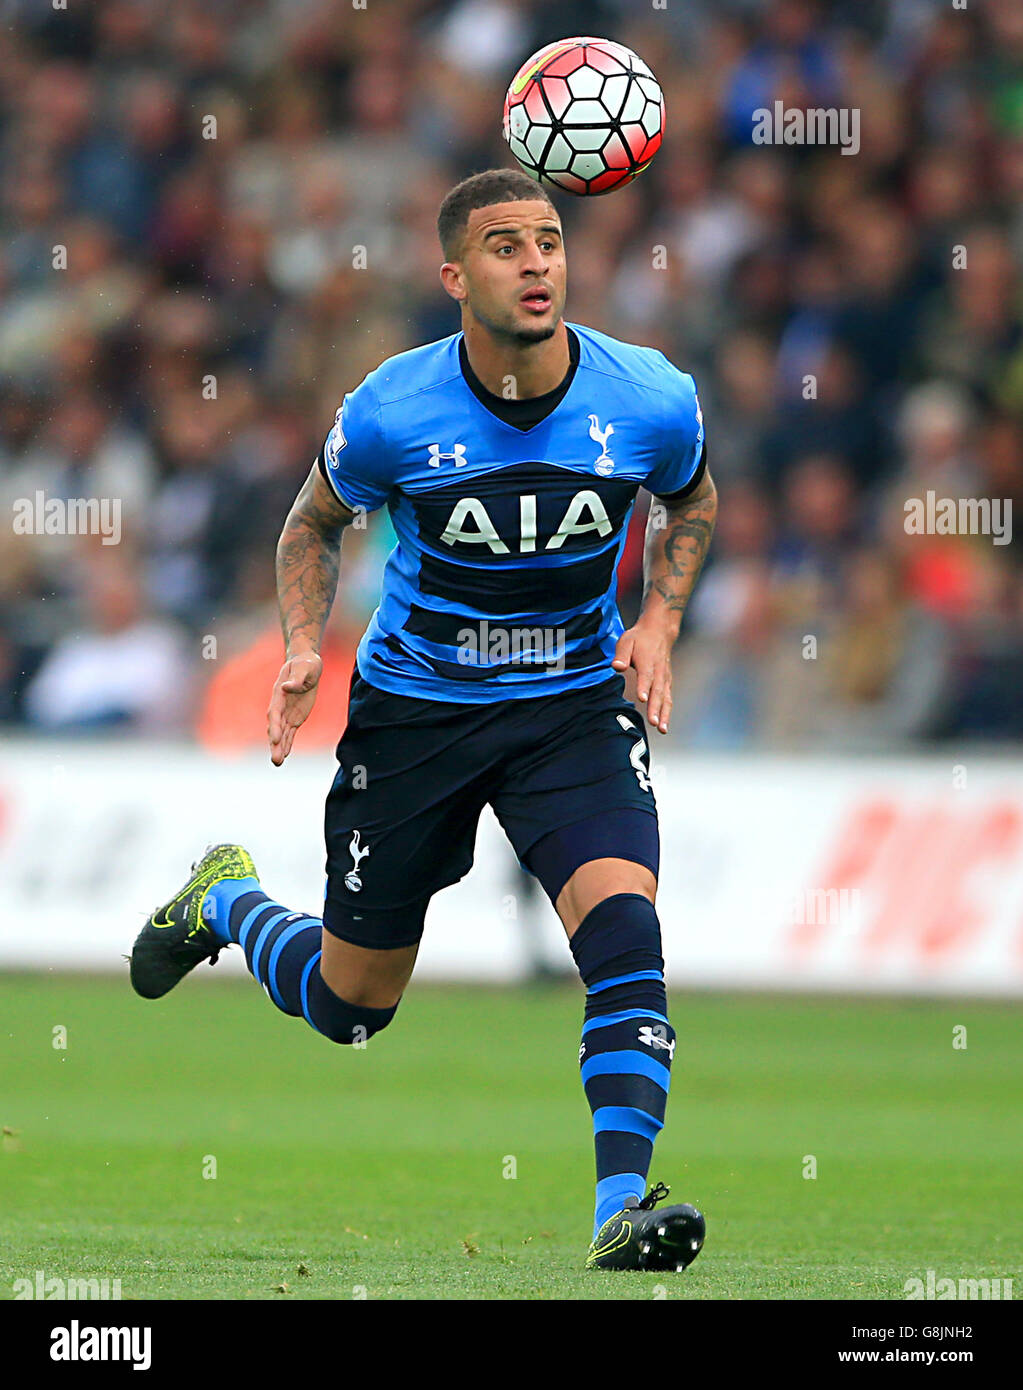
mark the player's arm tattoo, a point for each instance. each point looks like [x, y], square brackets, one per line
[677, 538]
[308, 558]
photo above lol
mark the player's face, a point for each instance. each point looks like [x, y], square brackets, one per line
[512, 270]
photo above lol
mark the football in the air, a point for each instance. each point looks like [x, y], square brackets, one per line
[584, 114]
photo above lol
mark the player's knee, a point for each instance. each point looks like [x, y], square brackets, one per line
[620, 940]
[353, 1025]
[341, 1020]
[350, 1031]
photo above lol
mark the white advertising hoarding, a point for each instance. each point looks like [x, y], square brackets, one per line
[776, 873]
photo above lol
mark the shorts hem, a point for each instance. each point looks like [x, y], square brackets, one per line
[370, 945]
[338, 924]
[575, 820]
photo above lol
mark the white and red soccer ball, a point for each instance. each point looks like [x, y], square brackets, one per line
[584, 114]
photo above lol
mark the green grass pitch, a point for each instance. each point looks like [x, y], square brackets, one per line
[381, 1173]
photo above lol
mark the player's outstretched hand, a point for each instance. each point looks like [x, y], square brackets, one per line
[648, 651]
[294, 695]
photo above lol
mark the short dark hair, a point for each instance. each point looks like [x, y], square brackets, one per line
[481, 191]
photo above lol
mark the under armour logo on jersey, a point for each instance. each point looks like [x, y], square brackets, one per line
[604, 464]
[651, 1037]
[458, 454]
[636, 754]
[358, 853]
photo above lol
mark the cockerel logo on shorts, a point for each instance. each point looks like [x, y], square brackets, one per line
[358, 853]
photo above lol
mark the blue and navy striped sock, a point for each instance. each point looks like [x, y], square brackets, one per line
[280, 946]
[627, 1043]
[282, 951]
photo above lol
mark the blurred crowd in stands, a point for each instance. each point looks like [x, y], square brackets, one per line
[247, 194]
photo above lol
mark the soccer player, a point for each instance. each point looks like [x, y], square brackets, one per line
[509, 456]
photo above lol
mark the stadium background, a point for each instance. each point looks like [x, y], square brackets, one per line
[853, 821]
[338, 129]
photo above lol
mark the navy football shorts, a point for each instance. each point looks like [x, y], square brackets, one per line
[415, 774]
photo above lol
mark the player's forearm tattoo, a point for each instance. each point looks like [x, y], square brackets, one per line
[308, 559]
[677, 547]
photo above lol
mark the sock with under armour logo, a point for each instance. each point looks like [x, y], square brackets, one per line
[627, 1043]
[282, 950]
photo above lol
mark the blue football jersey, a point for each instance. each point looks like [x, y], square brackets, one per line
[502, 583]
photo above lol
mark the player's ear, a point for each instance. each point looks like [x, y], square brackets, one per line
[453, 281]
